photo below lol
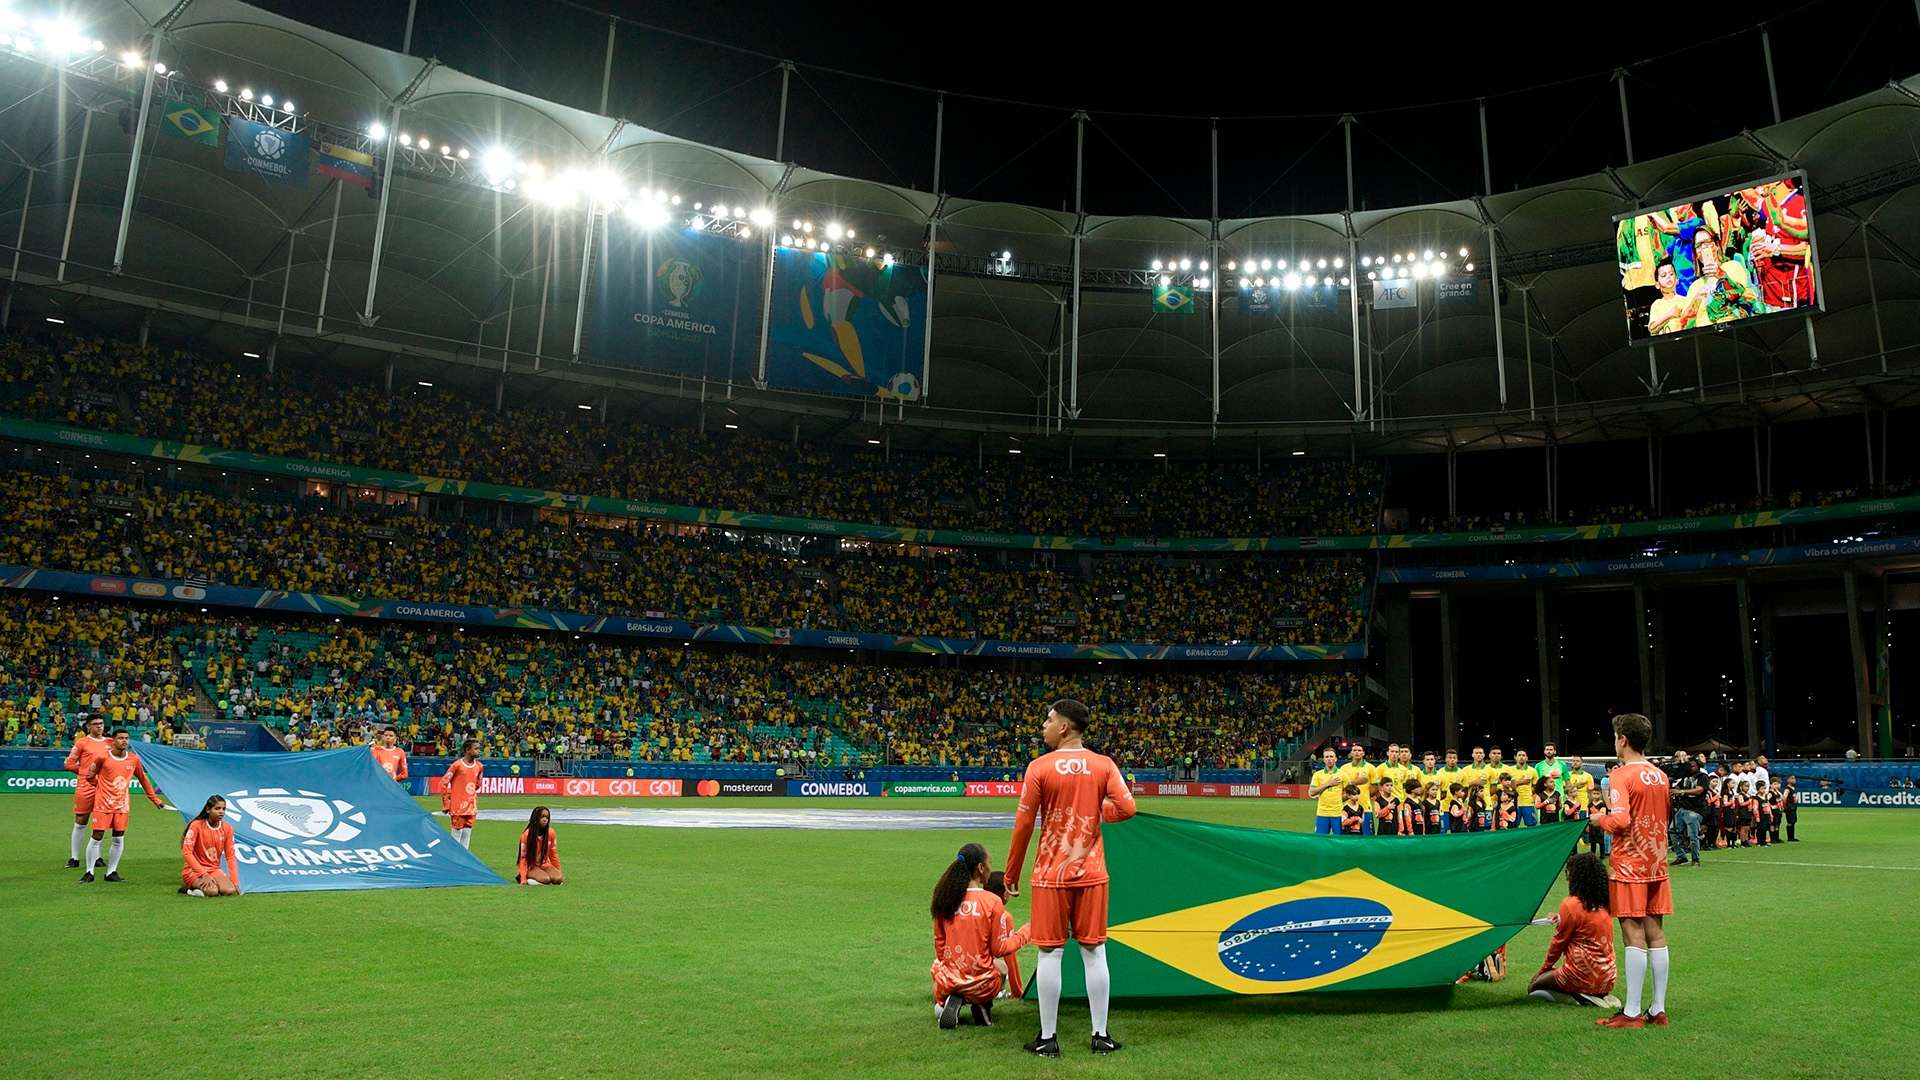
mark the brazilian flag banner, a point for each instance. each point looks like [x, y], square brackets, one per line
[1196, 908]
[194, 123]
[1173, 299]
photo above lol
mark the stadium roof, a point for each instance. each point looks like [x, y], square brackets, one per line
[210, 249]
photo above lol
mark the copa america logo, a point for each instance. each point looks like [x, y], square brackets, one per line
[307, 816]
[269, 144]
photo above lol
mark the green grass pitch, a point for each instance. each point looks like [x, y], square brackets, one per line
[691, 952]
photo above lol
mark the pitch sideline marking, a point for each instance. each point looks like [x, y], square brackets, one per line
[1825, 865]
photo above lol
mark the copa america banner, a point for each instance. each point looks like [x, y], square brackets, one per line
[681, 301]
[1202, 909]
[326, 820]
[847, 325]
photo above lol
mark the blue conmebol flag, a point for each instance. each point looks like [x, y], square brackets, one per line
[269, 152]
[331, 819]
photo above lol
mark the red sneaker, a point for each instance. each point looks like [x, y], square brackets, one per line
[1657, 1020]
[1621, 1020]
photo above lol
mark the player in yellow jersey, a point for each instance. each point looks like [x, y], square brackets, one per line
[1496, 771]
[1523, 778]
[1361, 774]
[1325, 788]
[1579, 786]
[1448, 775]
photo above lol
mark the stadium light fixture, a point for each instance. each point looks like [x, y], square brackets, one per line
[1156, 266]
[746, 234]
[1267, 264]
[1366, 261]
[1344, 282]
[584, 408]
[1469, 268]
[1299, 453]
[422, 382]
[463, 153]
[796, 221]
[873, 442]
[869, 253]
[1293, 281]
[1007, 256]
[1159, 453]
[1165, 281]
[219, 86]
[1321, 265]
[1427, 256]
[731, 427]
[806, 226]
[56, 321]
[696, 223]
[446, 150]
[1327, 281]
[1370, 276]
[886, 259]
[406, 139]
[1463, 253]
[851, 234]
[251, 355]
[1338, 263]
[675, 200]
[1396, 256]
[1232, 264]
[1186, 264]
[761, 216]
[785, 240]
[267, 100]
[1013, 449]
[246, 93]
[835, 231]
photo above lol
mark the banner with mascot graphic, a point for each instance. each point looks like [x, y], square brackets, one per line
[326, 820]
[675, 300]
[843, 324]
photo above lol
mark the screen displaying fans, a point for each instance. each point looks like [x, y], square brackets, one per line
[1704, 263]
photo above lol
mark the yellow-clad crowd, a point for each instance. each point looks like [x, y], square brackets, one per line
[243, 531]
[324, 683]
[235, 403]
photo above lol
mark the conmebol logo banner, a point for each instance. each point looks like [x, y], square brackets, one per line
[316, 821]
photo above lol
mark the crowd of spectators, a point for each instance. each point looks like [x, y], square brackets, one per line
[324, 683]
[562, 562]
[175, 393]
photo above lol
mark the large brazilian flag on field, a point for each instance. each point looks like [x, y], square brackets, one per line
[1199, 909]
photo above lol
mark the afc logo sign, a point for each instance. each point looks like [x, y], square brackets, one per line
[1073, 766]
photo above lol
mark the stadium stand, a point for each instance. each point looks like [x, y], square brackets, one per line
[323, 683]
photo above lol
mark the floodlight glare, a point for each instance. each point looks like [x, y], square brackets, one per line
[1232, 265]
[1186, 264]
[834, 231]
[1463, 253]
[266, 99]
[1338, 263]
[1267, 264]
[1203, 264]
[375, 131]
[1156, 265]
[761, 216]
[219, 86]
[1007, 256]
[1165, 281]
[1321, 265]
[130, 58]
[869, 253]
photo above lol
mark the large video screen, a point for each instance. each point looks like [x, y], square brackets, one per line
[1701, 264]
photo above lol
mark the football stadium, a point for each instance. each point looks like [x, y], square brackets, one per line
[1072, 541]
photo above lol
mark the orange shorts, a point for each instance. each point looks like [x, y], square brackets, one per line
[83, 800]
[1569, 979]
[462, 821]
[1079, 912]
[105, 820]
[1638, 899]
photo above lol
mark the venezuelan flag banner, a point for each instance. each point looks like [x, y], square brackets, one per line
[1199, 909]
[345, 163]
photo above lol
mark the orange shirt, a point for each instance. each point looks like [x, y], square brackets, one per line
[1637, 817]
[1073, 791]
[86, 749]
[1585, 938]
[463, 786]
[202, 847]
[393, 760]
[114, 775]
[551, 857]
[965, 945]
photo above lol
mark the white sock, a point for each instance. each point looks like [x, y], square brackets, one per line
[1657, 961]
[79, 840]
[530, 881]
[460, 836]
[113, 853]
[93, 852]
[1094, 960]
[1048, 974]
[1636, 979]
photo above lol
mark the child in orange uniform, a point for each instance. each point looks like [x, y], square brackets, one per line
[1008, 965]
[971, 929]
[1582, 940]
[539, 862]
[112, 777]
[208, 837]
[391, 759]
[461, 799]
[86, 749]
